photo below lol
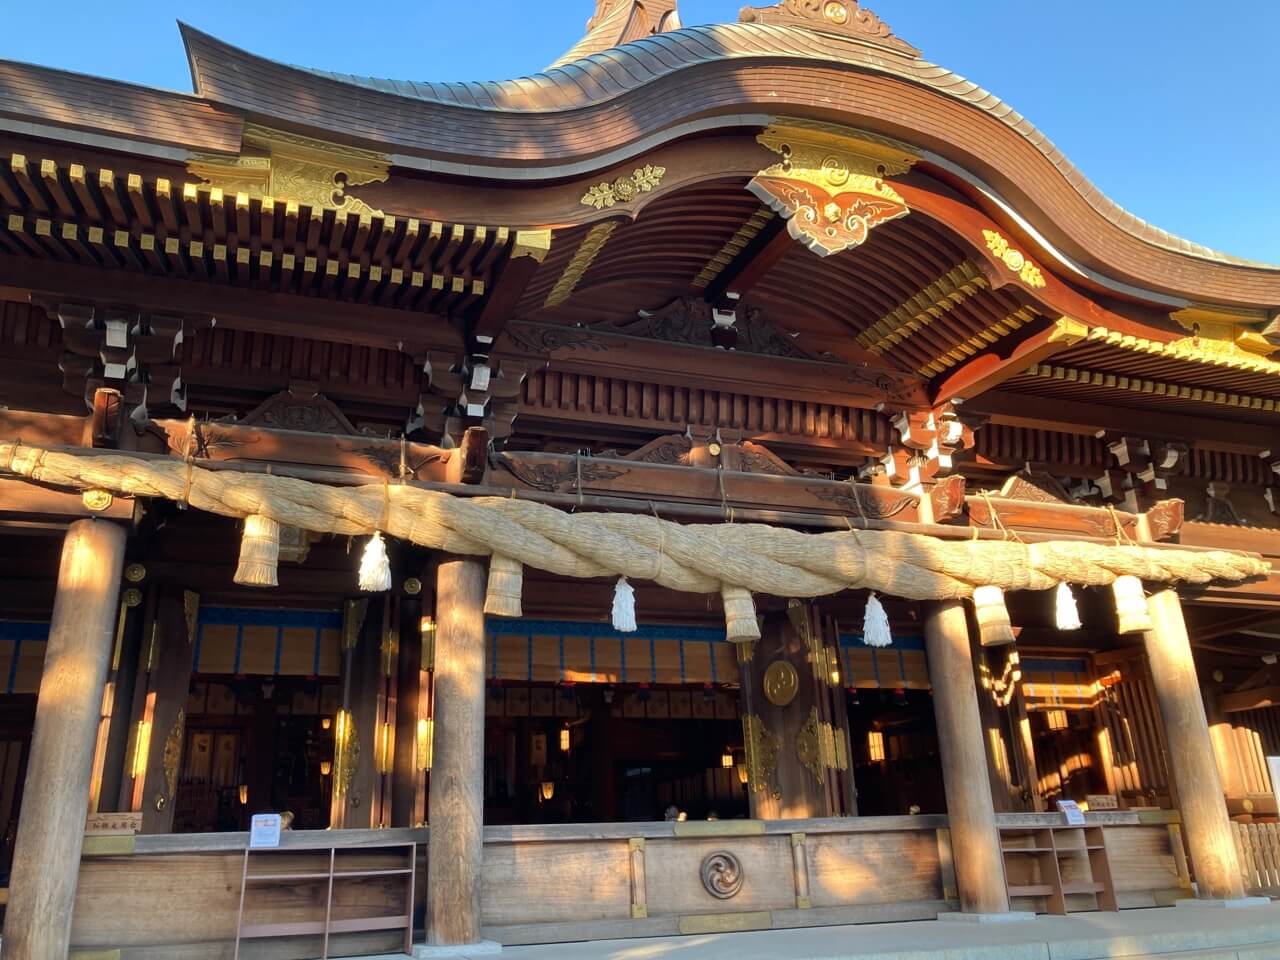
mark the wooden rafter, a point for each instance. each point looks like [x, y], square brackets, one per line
[982, 340]
[1152, 388]
[1008, 359]
[921, 309]
[770, 244]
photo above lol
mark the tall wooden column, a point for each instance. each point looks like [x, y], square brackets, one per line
[978, 862]
[1195, 772]
[46, 860]
[456, 804]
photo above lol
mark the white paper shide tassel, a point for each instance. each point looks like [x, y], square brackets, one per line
[1068, 613]
[875, 624]
[1132, 615]
[375, 567]
[624, 606]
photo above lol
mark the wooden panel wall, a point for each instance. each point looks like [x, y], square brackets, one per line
[1130, 731]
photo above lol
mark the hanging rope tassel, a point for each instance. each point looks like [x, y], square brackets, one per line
[624, 606]
[375, 566]
[875, 624]
[506, 582]
[1067, 611]
[259, 552]
[739, 614]
[994, 627]
[1132, 615]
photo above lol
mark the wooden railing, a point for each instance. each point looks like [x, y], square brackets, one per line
[1258, 845]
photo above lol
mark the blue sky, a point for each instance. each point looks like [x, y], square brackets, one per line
[1172, 108]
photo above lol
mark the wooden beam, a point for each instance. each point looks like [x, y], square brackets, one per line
[749, 267]
[527, 253]
[1007, 359]
[1088, 419]
[26, 501]
[1249, 699]
[258, 310]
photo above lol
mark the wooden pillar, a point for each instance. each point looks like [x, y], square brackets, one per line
[357, 794]
[408, 785]
[457, 777]
[46, 860]
[1195, 773]
[979, 864]
[170, 656]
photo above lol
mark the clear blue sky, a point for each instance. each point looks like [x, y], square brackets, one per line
[1172, 108]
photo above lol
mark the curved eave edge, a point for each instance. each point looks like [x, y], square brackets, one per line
[956, 88]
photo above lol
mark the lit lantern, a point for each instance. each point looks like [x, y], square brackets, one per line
[548, 789]
[244, 794]
[875, 745]
[325, 723]
[326, 767]
[1056, 719]
[742, 774]
[566, 738]
[726, 760]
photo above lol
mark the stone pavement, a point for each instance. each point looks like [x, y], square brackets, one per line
[1251, 933]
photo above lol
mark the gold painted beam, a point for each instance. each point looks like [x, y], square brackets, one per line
[939, 297]
[1154, 388]
[582, 258]
[983, 339]
[733, 246]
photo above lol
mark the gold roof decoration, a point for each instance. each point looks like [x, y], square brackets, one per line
[288, 166]
[845, 18]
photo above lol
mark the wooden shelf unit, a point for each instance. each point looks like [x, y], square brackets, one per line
[1048, 848]
[328, 926]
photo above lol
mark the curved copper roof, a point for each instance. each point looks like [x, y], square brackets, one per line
[570, 112]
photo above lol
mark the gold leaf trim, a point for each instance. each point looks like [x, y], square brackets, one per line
[936, 299]
[762, 749]
[733, 246]
[624, 189]
[582, 258]
[1014, 260]
[1153, 388]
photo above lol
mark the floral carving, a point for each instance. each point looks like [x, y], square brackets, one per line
[688, 320]
[550, 476]
[868, 502]
[624, 189]
[1014, 260]
[542, 340]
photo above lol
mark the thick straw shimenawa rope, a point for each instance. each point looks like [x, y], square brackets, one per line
[701, 558]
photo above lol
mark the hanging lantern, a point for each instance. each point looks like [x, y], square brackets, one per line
[875, 624]
[740, 619]
[547, 789]
[1132, 615]
[375, 566]
[244, 794]
[726, 760]
[502, 594]
[325, 723]
[994, 627]
[742, 774]
[326, 767]
[1056, 719]
[624, 606]
[1068, 613]
[566, 739]
[259, 552]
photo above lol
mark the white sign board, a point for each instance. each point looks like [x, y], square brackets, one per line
[1071, 810]
[264, 830]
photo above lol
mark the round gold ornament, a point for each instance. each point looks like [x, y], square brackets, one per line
[836, 12]
[135, 573]
[781, 683]
[412, 586]
[132, 597]
[96, 500]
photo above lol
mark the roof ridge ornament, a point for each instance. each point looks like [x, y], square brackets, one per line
[845, 18]
[616, 22]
